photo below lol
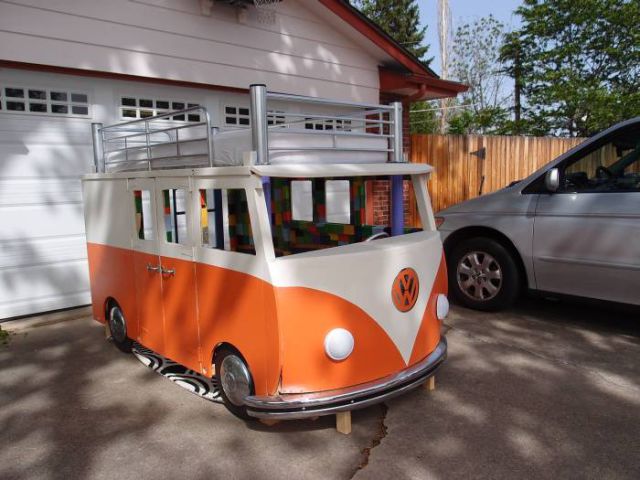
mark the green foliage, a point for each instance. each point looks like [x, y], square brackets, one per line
[4, 337]
[485, 121]
[401, 20]
[578, 63]
[424, 118]
[476, 62]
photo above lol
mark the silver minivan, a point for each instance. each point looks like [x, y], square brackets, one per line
[571, 228]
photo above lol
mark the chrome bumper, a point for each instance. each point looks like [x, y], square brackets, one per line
[302, 405]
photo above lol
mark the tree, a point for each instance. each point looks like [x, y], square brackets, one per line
[576, 63]
[401, 20]
[476, 62]
[424, 118]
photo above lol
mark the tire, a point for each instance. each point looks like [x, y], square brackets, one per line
[483, 275]
[232, 371]
[118, 329]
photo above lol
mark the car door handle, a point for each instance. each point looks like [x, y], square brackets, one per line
[168, 271]
[151, 268]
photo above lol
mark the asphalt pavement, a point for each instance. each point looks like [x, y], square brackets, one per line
[546, 390]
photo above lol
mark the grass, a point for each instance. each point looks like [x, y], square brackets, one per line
[4, 337]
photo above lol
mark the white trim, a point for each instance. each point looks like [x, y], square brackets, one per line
[340, 170]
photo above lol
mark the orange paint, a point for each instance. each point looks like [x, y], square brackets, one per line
[181, 333]
[429, 333]
[239, 309]
[305, 317]
[111, 275]
[279, 331]
[148, 288]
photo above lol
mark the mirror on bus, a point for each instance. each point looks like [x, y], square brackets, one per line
[552, 180]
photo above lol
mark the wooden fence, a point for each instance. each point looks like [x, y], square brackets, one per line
[467, 165]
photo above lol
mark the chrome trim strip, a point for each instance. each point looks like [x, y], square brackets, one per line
[291, 406]
[588, 263]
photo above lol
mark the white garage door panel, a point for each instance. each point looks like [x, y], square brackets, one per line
[29, 222]
[26, 290]
[43, 251]
[44, 161]
[29, 191]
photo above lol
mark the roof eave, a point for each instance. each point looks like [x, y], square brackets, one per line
[379, 37]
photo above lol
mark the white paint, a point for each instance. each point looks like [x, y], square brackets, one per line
[302, 53]
[302, 200]
[338, 344]
[338, 201]
[442, 306]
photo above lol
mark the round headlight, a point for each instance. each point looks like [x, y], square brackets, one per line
[442, 307]
[338, 344]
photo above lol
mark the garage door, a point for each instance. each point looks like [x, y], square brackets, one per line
[44, 148]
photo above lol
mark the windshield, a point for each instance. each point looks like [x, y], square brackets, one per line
[314, 214]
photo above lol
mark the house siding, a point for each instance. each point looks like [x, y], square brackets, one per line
[298, 54]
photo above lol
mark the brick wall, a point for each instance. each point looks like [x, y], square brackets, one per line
[380, 190]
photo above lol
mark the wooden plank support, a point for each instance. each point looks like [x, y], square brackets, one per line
[269, 422]
[107, 331]
[343, 422]
[430, 384]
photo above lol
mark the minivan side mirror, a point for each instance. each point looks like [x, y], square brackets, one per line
[552, 180]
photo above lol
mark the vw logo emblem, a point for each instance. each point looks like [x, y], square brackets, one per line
[405, 289]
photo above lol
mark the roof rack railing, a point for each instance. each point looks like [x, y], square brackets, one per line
[362, 120]
[183, 138]
[175, 139]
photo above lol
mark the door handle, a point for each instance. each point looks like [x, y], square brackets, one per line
[168, 271]
[151, 268]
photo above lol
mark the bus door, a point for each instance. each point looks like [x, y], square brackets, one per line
[177, 271]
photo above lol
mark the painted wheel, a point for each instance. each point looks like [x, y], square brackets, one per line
[483, 274]
[118, 328]
[235, 381]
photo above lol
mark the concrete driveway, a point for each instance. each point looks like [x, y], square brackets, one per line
[544, 391]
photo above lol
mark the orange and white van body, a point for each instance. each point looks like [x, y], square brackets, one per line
[276, 312]
[185, 301]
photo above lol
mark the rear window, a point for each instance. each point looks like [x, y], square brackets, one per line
[314, 214]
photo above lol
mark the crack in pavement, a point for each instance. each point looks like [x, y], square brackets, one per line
[380, 434]
[550, 358]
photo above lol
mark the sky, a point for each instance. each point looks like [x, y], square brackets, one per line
[464, 11]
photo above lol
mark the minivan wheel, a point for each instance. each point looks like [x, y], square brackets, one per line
[234, 380]
[483, 274]
[118, 329]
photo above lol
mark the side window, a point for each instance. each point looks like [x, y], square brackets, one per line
[224, 220]
[613, 167]
[338, 201]
[175, 215]
[301, 200]
[144, 214]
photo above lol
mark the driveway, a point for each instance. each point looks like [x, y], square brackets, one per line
[543, 391]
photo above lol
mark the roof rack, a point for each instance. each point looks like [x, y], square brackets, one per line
[186, 139]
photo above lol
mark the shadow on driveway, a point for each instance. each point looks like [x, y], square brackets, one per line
[546, 390]
[72, 406]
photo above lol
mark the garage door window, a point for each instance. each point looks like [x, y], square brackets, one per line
[132, 107]
[43, 101]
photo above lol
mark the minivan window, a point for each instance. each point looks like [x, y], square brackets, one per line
[613, 167]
